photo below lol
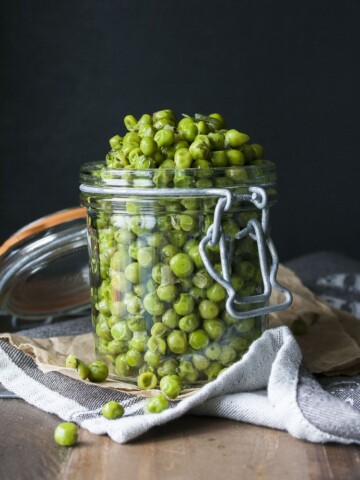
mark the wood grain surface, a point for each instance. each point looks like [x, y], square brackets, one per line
[188, 448]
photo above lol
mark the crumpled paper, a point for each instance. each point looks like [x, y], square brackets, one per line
[331, 346]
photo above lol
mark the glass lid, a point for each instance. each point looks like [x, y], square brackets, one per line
[44, 268]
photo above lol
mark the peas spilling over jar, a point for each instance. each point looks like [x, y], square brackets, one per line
[159, 317]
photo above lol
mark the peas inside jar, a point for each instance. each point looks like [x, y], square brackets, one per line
[157, 313]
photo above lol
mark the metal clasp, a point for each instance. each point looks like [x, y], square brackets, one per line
[257, 231]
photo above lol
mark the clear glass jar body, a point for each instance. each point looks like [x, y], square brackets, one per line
[154, 305]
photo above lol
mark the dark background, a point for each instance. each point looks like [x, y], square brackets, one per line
[286, 72]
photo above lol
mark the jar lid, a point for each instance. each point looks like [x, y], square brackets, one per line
[44, 267]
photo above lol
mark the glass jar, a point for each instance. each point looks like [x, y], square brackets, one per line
[181, 266]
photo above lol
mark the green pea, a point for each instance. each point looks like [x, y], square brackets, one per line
[195, 256]
[150, 286]
[245, 325]
[198, 339]
[121, 366]
[181, 144]
[189, 323]
[239, 344]
[219, 120]
[200, 148]
[130, 122]
[182, 158]
[167, 293]
[157, 404]
[167, 367]
[217, 140]
[152, 358]
[213, 370]
[161, 114]
[200, 362]
[102, 330]
[183, 180]
[184, 305]
[191, 204]
[120, 283]
[227, 355]
[83, 370]
[147, 131]
[219, 159]
[177, 341]
[168, 252]
[168, 163]
[153, 305]
[171, 385]
[213, 351]
[188, 130]
[147, 380]
[258, 149]
[139, 342]
[132, 272]
[71, 361]
[112, 410]
[249, 153]
[208, 309]
[234, 138]
[168, 154]
[214, 328]
[186, 284]
[235, 157]
[197, 293]
[134, 358]
[66, 434]
[237, 174]
[182, 265]
[148, 145]
[120, 331]
[115, 141]
[246, 270]
[144, 162]
[164, 137]
[202, 279]
[170, 318]
[146, 257]
[155, 240]
[136, 323]
[124, 237]
[178, 237]
[189, 244]
[159, 330]
[98, 371]
[216, 292]
[187, 223]
[140, 289]
[145, 119]
[163, 123]
[117, 346]
[132, 138]
[187, 371]
[157, 345]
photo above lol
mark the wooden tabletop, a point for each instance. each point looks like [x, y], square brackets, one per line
[188, 448]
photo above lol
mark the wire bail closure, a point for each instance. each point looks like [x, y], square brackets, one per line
[257, 231]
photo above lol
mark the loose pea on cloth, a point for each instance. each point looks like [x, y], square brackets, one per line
[270, 386]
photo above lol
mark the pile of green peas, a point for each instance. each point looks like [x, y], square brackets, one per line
[159, 317]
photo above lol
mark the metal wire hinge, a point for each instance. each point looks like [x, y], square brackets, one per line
[257, 231]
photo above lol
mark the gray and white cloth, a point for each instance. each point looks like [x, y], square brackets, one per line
[270, 386]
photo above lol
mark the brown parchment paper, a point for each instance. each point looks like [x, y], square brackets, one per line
[331, 346]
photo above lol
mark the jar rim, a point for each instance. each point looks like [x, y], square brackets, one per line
[254, 174]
